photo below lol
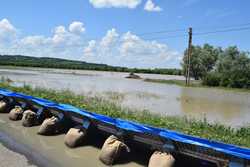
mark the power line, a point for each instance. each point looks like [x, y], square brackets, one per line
[185, 29]
[165, 37]
[161, 32]
[200, 33]
[222, 31]
[220, 27]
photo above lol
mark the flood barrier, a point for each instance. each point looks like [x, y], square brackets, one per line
[159, 139]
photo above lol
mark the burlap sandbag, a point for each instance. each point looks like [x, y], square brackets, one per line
[29, 118]
[48, 126]
[111, 150]
[3, 106]
[161, 159]
[74, 137]
[16, 113]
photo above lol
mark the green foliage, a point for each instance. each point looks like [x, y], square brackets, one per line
[193, 83]
[234, 68]
[201, 128]
[202, 60]
[211, 79]
[231, 70]
[44, 62]
[216, 67]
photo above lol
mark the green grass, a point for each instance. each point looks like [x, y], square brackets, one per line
[174, 82]
[198, 128]
[194, 84]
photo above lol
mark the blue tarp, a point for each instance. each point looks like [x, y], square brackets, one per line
[233, 150]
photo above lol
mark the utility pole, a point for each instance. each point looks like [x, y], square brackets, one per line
[190, 33]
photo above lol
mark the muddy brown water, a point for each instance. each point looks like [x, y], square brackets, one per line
[53, 148]
[215, 105]
[28, 149]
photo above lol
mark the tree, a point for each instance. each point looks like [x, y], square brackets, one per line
[202, 60]
[234, 68]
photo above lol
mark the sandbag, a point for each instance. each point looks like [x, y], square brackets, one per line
[75, 137]
[16, 113]
[49, 126]
[111, 150]
[3, 106]
[29, 118]
[161, 159]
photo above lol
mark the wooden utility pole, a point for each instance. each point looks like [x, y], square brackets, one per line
[190, 33]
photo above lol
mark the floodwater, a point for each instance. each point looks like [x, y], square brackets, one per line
[215, 105]
[51, 148]
[9, 158]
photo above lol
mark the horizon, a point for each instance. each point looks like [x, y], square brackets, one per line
[88, 31]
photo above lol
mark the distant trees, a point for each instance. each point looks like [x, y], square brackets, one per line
[44, 62]
[216, 67]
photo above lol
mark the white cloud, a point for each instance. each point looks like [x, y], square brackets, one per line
[129, 50]
[60, 35]
[76, 27]
[89, 50]
[34, 41]
[62, 43]
[7, 31]
[115, 3]
[110, 39]
[125, 49]
[151, 7]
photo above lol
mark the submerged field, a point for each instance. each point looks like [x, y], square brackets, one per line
[193, 127]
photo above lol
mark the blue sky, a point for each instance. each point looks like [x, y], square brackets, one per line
[109, 31]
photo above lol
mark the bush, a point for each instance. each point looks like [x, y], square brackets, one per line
[211, 79]
[232, 70]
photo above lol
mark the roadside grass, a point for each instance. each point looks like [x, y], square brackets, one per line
[199, 128]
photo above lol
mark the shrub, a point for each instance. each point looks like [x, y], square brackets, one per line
[211, 79]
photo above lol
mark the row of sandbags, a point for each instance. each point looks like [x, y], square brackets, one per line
[111, 149]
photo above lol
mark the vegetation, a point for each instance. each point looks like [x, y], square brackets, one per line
[202, 60]
[45, 62]
[198, 128]
[174, 82]
[216, 67]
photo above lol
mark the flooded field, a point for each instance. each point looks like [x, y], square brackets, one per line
[216, 105]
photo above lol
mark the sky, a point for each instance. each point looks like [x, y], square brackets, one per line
[118, 32]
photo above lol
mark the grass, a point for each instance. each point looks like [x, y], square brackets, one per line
[174, 82]
[194, 84]
[199, 128]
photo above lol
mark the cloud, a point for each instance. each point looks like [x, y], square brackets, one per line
[151, 7]
[63, 42]
[77, 27]
[90, 49]
[126, 49]
[7, 31]
[129, 50]
[115, 3]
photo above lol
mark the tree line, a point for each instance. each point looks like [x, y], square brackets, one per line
[45, 62]
[215, 66]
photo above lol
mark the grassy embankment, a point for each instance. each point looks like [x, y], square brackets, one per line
[202, 128]
[193, 83]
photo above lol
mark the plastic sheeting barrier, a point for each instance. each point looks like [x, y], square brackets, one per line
[232, 150]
